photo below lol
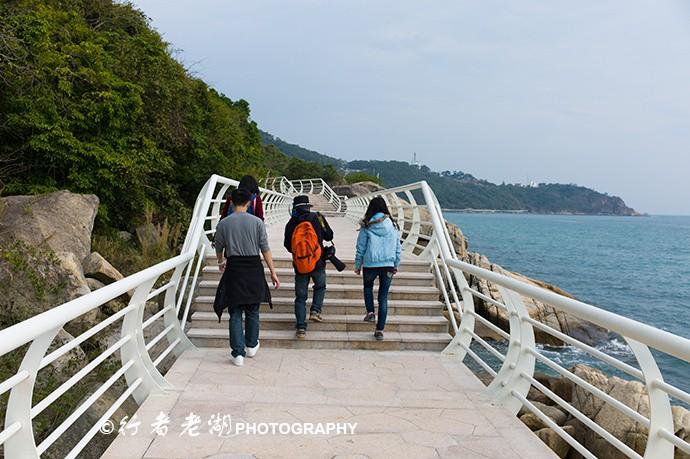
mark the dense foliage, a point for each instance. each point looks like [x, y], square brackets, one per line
[295, 168]
[360, 176]
[92, 100]
[299, 152]
[458, 190]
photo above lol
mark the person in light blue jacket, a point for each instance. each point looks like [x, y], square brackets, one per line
[378, 255]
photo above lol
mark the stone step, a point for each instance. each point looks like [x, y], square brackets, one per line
[281, 261]
[332, 322]
[335, 291]
[206, 337]
[211, 273]
[338, 306]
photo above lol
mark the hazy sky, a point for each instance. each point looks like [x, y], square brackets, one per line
[594, 92]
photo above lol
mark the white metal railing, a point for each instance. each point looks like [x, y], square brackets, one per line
[306, 186]
[416, 210]
[281, 184]
[175, 279]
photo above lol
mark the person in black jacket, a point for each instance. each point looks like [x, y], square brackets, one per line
[301, 211]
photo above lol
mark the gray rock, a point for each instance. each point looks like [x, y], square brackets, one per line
[76, 285]
[357, 189]
[632, 394]
[582, 330]
[94, 284]
[532, 421]
[148, 235]
[97, 267]
[61, 221]
[460, 242]
[538, 396]
[68, 364]
[554, 441]
[563, 387]
[125, 235]
[75, 282]
[681, 422]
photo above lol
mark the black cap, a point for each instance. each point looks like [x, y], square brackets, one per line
[301, 201]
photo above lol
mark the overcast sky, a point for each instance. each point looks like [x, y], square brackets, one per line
[594, 92]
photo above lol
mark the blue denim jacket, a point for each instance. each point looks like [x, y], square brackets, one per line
[378, 245]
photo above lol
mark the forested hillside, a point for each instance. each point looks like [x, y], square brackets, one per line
[297, 151]
[92, 100]
[458, 190]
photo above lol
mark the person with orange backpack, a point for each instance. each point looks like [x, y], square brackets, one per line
[304, 236]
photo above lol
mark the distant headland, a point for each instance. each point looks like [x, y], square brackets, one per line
[462, 192]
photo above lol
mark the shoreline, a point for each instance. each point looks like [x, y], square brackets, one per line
[527, 212]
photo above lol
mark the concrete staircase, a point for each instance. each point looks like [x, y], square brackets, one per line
[415, 319]
[323, 205]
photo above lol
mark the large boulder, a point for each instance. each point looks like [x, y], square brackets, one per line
[61, 221]
[580, 329]
[97, 267]
[554, 441]
[533, 421]
[68, 364]
[631, 393]
[75, 285]
[33, 280]
[460, 243]
[74, 281]
[357, 189]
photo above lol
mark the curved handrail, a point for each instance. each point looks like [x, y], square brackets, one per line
[427, 236]
[417, 212]
[135, 346]
[306, 186]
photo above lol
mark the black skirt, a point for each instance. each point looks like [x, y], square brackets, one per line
[243, 282]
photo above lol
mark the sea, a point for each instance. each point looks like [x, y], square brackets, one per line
[638, 267]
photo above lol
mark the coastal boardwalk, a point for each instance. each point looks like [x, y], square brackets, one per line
[401, 403]
[407, 404]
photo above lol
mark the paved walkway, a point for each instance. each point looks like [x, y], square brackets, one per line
[405, 405]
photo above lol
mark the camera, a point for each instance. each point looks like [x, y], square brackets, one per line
[329, 254]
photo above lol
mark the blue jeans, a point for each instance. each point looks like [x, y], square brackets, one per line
[301, 292]
[385, 277]
[247, 336]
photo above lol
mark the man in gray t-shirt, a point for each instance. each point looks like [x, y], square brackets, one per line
[242, 238]
[241, 234]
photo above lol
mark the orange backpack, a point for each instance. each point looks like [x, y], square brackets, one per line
[306, 250]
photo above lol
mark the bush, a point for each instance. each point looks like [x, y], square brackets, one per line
[354, 177]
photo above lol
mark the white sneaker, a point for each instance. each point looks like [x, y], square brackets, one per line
[237, 361]
[251, 351]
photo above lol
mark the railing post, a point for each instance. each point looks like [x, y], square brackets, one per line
[661, 416]
[216, 209]
[463, 337]
[171, 316]
[135, 349]
[201, 250]
[413, 234]
[22, 445]
[401, 212]
[518, 358]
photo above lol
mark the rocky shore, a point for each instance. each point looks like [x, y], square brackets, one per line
[46, 260]
[631, 393]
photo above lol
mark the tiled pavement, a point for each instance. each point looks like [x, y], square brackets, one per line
[406, 405]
